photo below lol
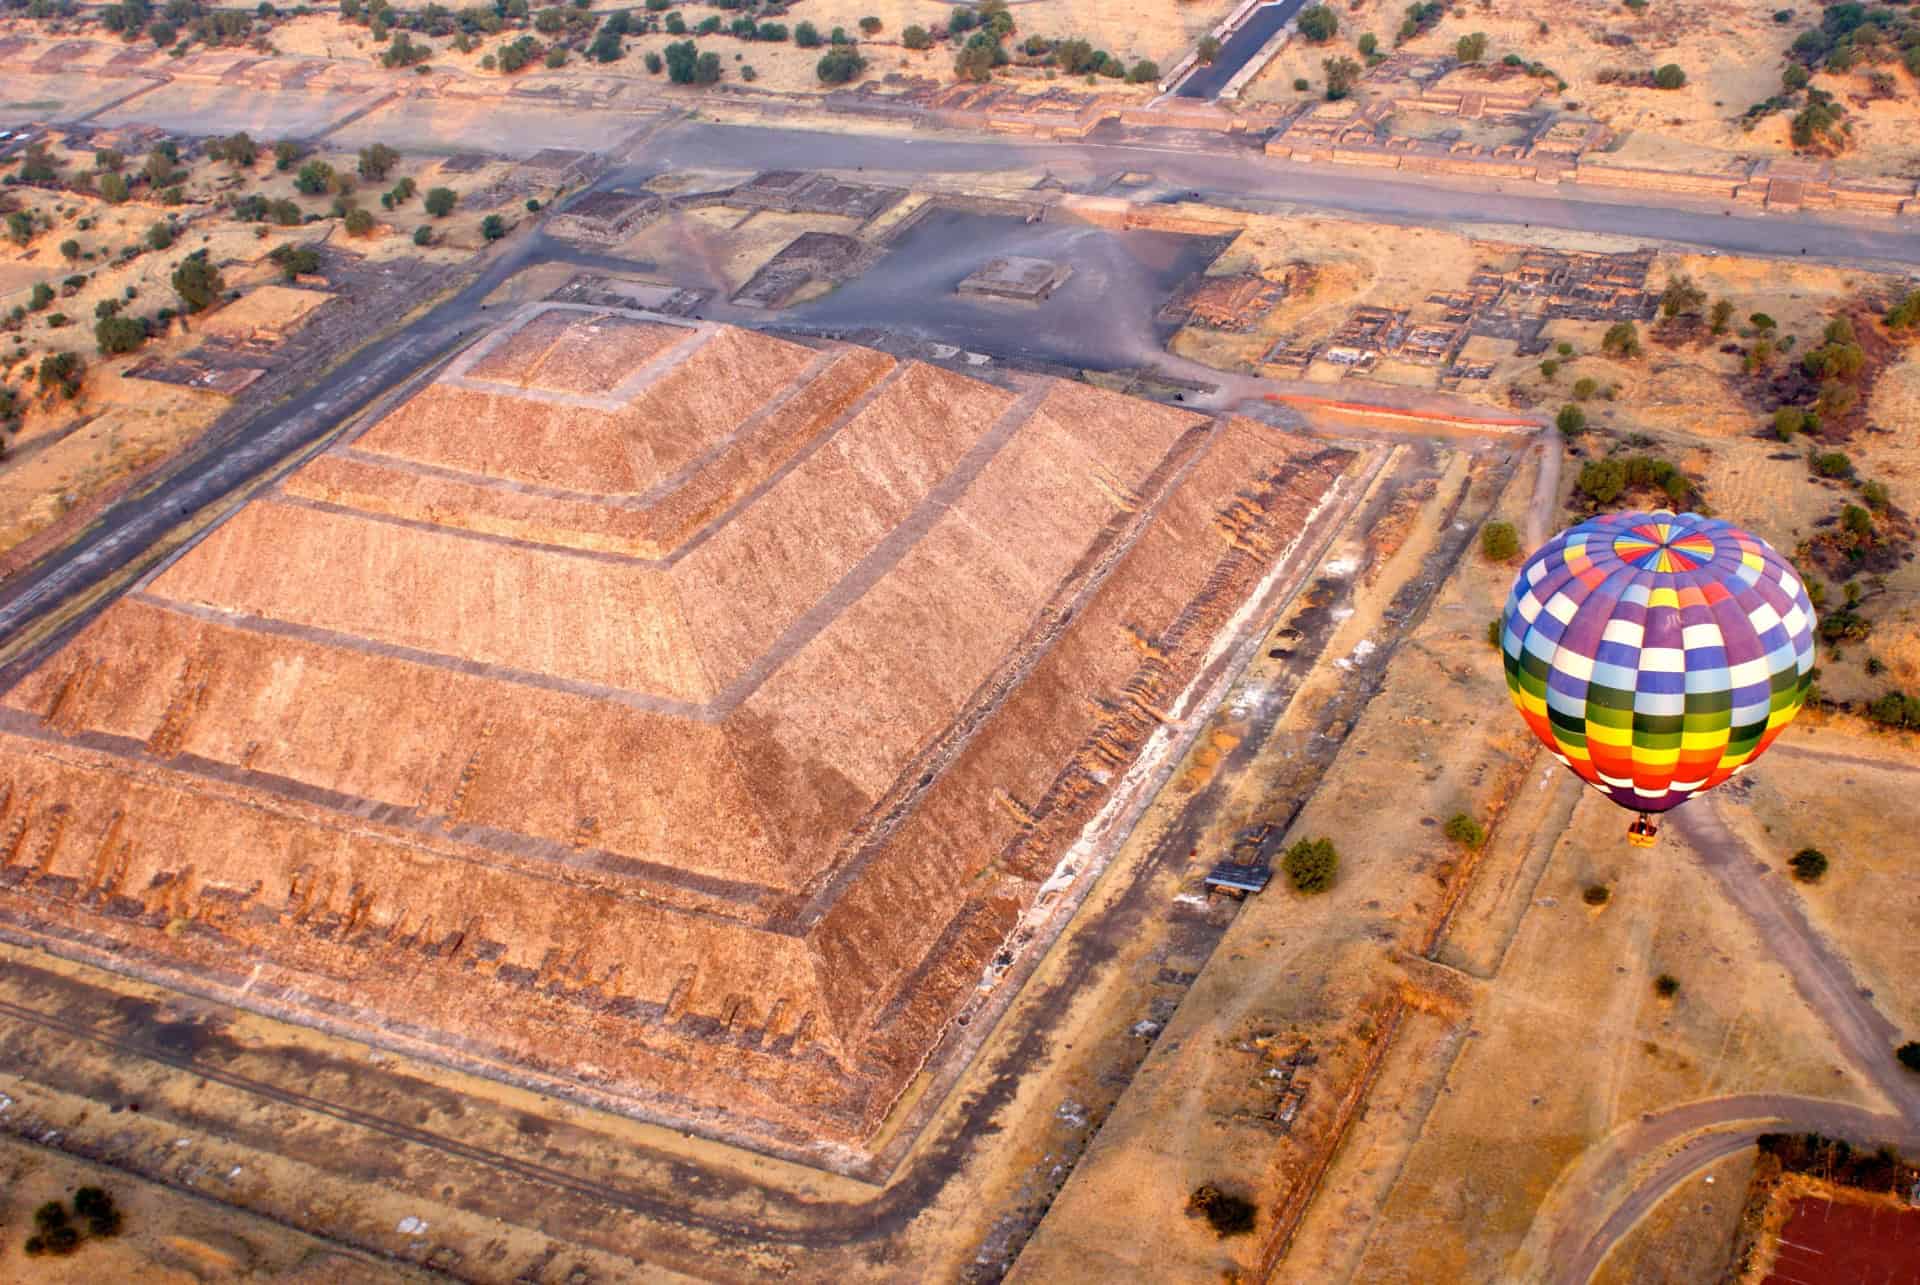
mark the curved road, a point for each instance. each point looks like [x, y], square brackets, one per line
[1576, 1226]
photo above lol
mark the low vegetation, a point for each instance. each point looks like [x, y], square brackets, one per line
[1808, 865]
[1312, 865]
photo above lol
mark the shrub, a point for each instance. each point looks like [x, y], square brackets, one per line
[377, 161]
[1494, 630]
[1585, 387]
[556, 56]
[1909, 1055]
[1669, 77]
[1571, 421]
[439, 201]
[285, 153]
[654, 63]
[62, 370]
[1208, 49]
[493, 227]
[1721, 317]
[1317, 24]
[1666, 985]
[1808, 865]
[116, 334]
[40, 297]
[1831, 463]
[1227, 1214]
[1312, 865]
[314, 178]
[1602, 481]
[113, 189]
[1621, 340]
[839, 65]
[238, 150]
[870, 25]
[916, 37]
[69, 250]
[1681, 295]
[1597, 894]
[358, 222]
[197, 282]
[1368, 44]
[423, 235]
[1787, 421]
[1342, 75]
[296, 260]
[1465, 831]
[1469, 49]
[1875, 495]
[1499, 542]
[1905, 314]
[1143, 72]
[805, 34]
[1301, 84]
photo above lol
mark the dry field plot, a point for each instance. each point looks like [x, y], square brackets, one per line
[750, 647]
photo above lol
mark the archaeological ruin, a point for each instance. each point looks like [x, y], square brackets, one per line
[663, 714]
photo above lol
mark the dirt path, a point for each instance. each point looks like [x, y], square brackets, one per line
[1566, 1225]
[1546, 492]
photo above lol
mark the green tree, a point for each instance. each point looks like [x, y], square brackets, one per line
[118, 334]
[1584, 387]
[1465, 831]
[314, 178]
[839, 65]
[1208, 49]
[1342, 74]
[1143, 72]
[493, 227]
[113, 189]
[1808, 865]
[683, 59]
[870, 25]
[63, 371]
[1499, 541]
[358, 222]
[1317, 24]
[1602, 481]
[377, 161]
[19, 227]
[916, 37]
[238, 150]
[439, 201]
[1571, 421]
[1622, 340]
[197, 281]
[1471, 49]
[423, 235]
[1905, 314]
[1681, 295]
[1669, 77]
[806, 35]
[1721, 317]
[1368, 44]
[1787, 421]
[1312, 865]
[70, 249]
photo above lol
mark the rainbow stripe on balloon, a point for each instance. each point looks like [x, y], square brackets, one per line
[1656, 654]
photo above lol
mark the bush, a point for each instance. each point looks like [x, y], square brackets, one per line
[1342, 75]
[1368, 44]
[1317, 24]
[377, 161]
[1597, 894]
[493, 227]
[1905, 314]
[1621, 340]
[1585, 387]
[654, 63]
[1227, 1214]
[423, 235]
[1571, 421]
[1499, 542]
[197, 282]
[1469, 49]
[1787, 421]
[40, 297]
[296, 260]
[1831, 463]
[839, 65]
[1808, 865]
[1666, 985]
[62, 371]
[1312, 865]
[1669, 77]
[1301, 84]
[117, 334]
[1909, 1055]
[1721, 317]
[1465, 831]
[358, 222]
[807, 36]
[916, 37]
[1207, 50]
[314, 178]
[439, 201]
[870, 25]
[113, 189]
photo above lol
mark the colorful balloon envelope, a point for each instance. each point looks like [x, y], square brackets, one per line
[1656, 654]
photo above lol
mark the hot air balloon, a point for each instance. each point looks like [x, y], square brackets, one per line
[1657, 654]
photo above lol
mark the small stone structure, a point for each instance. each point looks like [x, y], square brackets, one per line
[1017, 277]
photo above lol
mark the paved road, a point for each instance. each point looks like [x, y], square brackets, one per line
[1248, 179]
[219, 464]
[1247, 40]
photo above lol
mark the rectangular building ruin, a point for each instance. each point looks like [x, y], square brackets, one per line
[657, 713]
